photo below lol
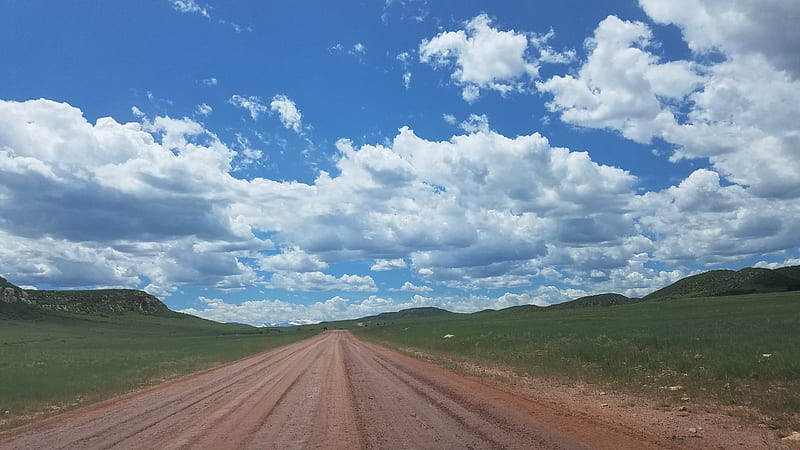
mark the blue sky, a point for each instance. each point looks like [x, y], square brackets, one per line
[274, 162]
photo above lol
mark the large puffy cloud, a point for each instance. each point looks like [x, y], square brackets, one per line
[488, 58]
[135, 201]
[736, 108]
[471, 207]
[69, 179]
[294, 260]
[702, 220]
[742, 121]
[621, 85]
[478, 207]
[768, 27]
[477, 211]
[738, 112]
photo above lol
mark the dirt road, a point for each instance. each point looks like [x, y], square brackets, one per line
[330, 391]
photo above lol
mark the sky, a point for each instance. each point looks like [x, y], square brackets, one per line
[293, 162]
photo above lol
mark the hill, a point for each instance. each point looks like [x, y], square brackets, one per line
[520, 309]
[791, 271]
[595, 301]
[409, 313]
[102, 301]
[728, 282]
[16, 302]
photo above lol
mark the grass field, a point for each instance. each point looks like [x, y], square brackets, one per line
[51, 362]
[709, 349]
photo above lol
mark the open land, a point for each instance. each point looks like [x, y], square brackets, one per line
[335, 391]
[54, 361]
[736, 355]
[686, 367]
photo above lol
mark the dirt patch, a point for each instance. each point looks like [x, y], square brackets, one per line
[688, 425]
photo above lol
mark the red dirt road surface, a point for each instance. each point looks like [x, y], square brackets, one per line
[331, 391]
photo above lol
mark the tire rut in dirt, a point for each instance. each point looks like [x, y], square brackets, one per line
[442, 416]
[480, 417]
[328, 391]
[128, 419]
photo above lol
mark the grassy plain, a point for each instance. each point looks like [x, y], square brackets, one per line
[707, 349]
[51, 362]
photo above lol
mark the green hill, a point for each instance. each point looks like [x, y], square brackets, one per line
[595, 301]
[102, 301]
[409, 313]
[791, 271]
[16, 302]
[521, 309]
[728, 282]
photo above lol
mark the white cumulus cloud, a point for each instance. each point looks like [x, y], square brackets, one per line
[287, 112]
[411, 287]
[388, 264]
[294, 260]
[318, 281]
[488, 58]
[739, 112]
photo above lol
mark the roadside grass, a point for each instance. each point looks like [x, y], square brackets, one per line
[52, 362]
[700, 350]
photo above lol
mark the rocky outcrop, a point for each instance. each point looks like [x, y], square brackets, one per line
[101, 301]
[12, 294]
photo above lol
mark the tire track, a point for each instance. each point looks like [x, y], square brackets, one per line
[102, 425]
[479, 420]
[202, 420]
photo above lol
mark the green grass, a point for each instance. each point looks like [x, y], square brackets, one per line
[712, 347]
[51, 362]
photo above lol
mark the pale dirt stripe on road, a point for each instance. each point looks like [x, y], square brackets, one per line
[328, 391]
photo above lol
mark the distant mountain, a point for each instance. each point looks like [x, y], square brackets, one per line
[708, 284]
[15, 300]
[595, 301]
[728, 282]
[427, 311]
[520, 309]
